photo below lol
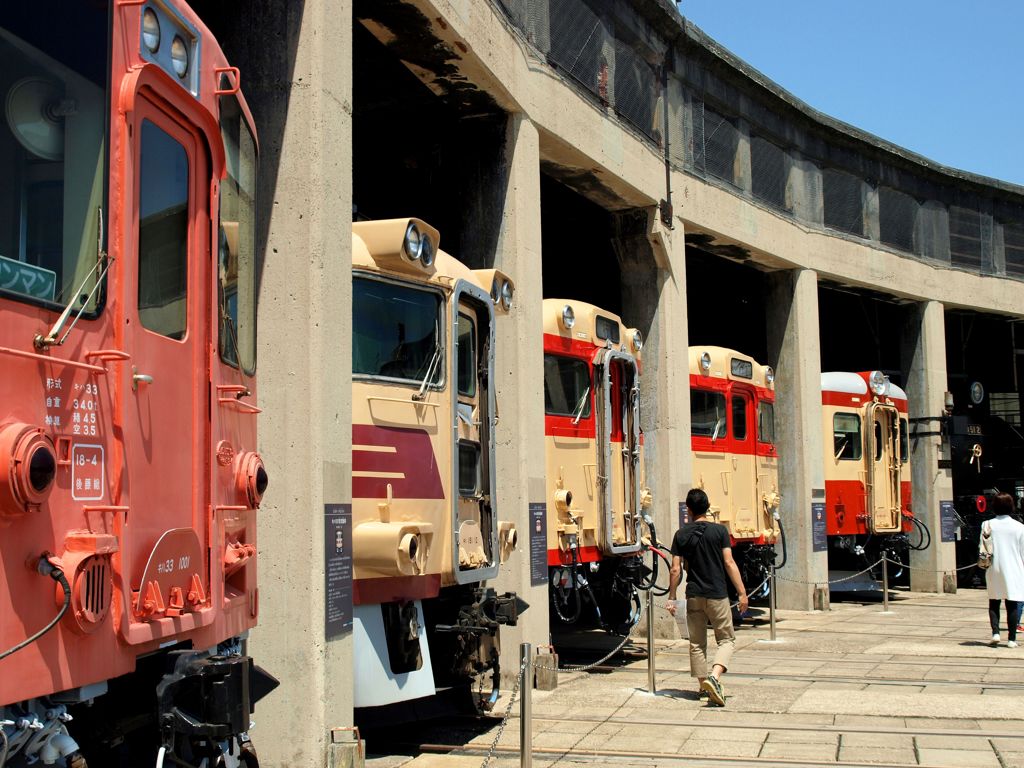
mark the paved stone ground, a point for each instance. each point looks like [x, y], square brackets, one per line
[919, 686]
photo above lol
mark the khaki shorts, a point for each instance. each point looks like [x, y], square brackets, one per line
[699, 612]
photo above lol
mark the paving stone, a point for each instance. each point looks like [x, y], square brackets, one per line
[936, 723]
[809, 752]
[729, 734]
[720, 748]
[868, 754]
[960, 758]
[1012, 759]
[886, 741]
[869, 721]
[803, 737]
[1004, 744]
[976, 743]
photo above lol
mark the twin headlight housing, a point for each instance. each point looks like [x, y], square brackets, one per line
[418, 246]
[177, 57]
[501, 292]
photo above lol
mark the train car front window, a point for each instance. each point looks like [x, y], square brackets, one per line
[567, 390]
[765, 422]
[904, 442]
[739, 418]
[395, 331]
[237, 263]
[846, 436]
[707, 414]
[53, 150]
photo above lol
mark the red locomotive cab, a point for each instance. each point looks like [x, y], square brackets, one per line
[127, 424]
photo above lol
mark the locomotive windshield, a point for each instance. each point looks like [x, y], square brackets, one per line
[53, 82]
[566, 386]
[765, 422]
[707, 414]
[395, 331]
[238, 239]
[846, 440]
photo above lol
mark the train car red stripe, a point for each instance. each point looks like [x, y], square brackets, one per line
[388, 589]
[583, 555]
[408, 457]
[848, 400]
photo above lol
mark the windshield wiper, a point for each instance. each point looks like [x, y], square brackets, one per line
[577, 412]
[430, 368]
[102, 261]
[718, 426]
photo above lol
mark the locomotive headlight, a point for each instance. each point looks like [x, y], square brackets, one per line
[413, 243]
[495, 290]
[878, 383]
[251, 478]
[179, 57]
[28, 467]
[977, 392]
[769, 375]
[426, 251]
[638, 341]
[411, 555]
[705, 362]
[568, 317]
[506, 294]
[150, 30]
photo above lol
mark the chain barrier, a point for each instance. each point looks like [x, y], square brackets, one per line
[508, 711]
[833, 581]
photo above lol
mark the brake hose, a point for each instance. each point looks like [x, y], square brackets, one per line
[46, 568]
[573, 591]
[782, 538]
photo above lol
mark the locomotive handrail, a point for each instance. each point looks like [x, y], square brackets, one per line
[108, 354]
[55, 360]
[402, 400]
[239, 390]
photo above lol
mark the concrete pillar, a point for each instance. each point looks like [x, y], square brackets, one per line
[794, 350]
[654, 301]
[305, 102]
[924, 360]
[520, 390]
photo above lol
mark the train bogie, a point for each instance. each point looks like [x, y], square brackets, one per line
[426, 533]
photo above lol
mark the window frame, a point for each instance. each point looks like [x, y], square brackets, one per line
[473, 351]
[475, 493]
[442, 310]
[725, 411]
[771, 405]
[858, 443]
[588, 412]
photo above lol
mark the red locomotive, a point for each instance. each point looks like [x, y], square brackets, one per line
[129, 479]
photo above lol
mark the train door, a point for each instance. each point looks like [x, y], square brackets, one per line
[474, 522]
[166, 334]
[618, 452]
[742, 465]
[708, 430]
[884, 493]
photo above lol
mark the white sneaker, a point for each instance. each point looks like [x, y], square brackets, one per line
[995, 639]
[1011, 644]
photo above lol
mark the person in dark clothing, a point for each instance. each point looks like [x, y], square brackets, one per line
[702, 547]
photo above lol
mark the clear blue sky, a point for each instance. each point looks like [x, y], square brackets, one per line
[941, 78]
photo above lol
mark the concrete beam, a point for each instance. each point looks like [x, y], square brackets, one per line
[795, 351]
[924, 360]
[305, 104]
[520, 390]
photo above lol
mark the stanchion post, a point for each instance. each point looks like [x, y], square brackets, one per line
[526, 707]
[650, 642]
[885, 582]
[771, 603]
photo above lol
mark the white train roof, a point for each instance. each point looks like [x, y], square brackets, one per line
[854, 384]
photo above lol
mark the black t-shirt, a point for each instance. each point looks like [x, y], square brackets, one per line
[701, 545]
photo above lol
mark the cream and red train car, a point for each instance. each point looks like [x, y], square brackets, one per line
[129, 481]
[732, 423]
[426, 534]
[867, 468]
[593, 452]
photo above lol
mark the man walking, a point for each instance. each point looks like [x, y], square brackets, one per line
[703, 549]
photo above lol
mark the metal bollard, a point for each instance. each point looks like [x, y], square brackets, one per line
[771, 604]
[650, 642]
[526, 707]
[885, 582]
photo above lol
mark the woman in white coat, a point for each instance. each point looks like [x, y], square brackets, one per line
[1005, 577]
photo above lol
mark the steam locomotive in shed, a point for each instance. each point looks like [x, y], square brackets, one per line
[426, 528]
[129, 477]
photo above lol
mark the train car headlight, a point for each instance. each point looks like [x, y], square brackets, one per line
[878, 383]
[495, 290]
[179, 57]
[28, 468]
[705, 362]
[251, 478]
[568, 317]
[413, 243]
[151, 30]
[638, 341]
[769, 375]
[427, 251]
[506, 294]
